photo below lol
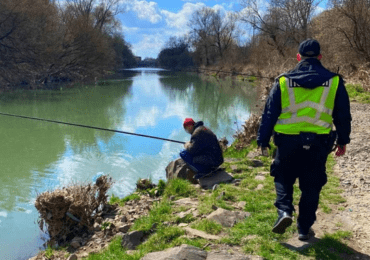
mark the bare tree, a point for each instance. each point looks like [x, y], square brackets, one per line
[200, 24]
[355, 25]
[212, 33]
[282, 21]
[223, 31]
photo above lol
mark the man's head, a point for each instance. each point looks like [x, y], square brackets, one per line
[309, 48]
[189, 125]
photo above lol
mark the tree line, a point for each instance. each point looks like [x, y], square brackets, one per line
[276, 27]
[46, 41]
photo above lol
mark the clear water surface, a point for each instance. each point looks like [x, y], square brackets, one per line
[39, 156]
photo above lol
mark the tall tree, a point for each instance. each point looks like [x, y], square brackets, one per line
[283, 22]
[354, 24]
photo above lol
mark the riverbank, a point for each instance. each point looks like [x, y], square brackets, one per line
[185, 213]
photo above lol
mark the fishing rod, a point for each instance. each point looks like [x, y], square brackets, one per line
[91, 127]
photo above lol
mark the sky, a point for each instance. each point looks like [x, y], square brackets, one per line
[147, 25]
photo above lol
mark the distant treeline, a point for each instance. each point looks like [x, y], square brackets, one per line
[46, 41]
[274, 28]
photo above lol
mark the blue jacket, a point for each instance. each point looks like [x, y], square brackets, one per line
[309, 73]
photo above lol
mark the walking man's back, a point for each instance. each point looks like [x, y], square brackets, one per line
[300, 112]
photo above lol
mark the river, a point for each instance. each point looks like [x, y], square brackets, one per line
[41, 156]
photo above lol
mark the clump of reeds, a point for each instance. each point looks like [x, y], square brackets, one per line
[249, 132]
[71, 210]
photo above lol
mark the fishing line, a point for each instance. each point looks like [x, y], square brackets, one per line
[91, 127]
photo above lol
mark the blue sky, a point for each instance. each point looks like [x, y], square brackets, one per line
[147, 25]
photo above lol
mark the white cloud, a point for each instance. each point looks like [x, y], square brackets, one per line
[180, 20]
[145, 10]
[150, 45]
[3, 214]
[126, 29]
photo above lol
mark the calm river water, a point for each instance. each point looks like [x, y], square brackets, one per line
[39, 156]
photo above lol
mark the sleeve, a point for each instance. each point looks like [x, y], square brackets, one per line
[197, 143]
[342, 114]
[270, 116]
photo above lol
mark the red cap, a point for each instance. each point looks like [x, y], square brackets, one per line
[188, 121]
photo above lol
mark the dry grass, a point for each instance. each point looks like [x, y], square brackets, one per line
[249, 132]
[69, 211]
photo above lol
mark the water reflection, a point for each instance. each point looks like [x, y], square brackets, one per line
[39, 156]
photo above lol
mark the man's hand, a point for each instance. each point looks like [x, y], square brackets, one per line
[187, 145]
[264, 151]
[341, 150]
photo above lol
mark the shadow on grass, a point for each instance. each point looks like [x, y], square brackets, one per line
[325, 248]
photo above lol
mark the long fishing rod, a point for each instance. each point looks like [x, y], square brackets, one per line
[91, 127]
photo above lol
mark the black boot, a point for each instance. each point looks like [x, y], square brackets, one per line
[284, 220]
[303, 235]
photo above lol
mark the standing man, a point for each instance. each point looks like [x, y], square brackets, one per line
[301, 109]
[203, 153]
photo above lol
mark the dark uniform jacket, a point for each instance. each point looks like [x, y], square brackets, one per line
[309, 73]
[204, 146]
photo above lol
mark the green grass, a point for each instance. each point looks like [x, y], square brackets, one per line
[113, 199]
[179, 188]
[357, 92]
[253, 234]
[208, 226]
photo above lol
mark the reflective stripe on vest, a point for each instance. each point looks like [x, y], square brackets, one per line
[308, 111]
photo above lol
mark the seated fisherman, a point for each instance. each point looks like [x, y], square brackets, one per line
[203, 153]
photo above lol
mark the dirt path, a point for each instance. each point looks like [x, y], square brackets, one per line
[354, 173]
[353, 170]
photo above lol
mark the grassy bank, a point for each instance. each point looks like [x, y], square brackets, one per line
[252, 236]
[357, 93]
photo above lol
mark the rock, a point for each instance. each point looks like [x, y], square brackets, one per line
[72, 257]
[241, 204]
[183, 214]
[198, 233]
[84, 254]
[223, 256]
[259, 187]
[99, 220]
[181, 252]
[218, 177]
[260, 178]
[234, 168]
[183, 225]
[257, 163]
[227, 218]
[76, 242]
[195, 213]
[123, 219]
[179, 169]
[231, 160]
[132, 239]
[124, 228]
[96, 227]
[187, 202]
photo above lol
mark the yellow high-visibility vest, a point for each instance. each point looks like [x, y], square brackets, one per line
[304, 109]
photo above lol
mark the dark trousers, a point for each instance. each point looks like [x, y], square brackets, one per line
[198, 168]
[292, 161]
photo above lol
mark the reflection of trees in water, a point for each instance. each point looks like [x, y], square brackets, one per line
[32, 146]
[211, 98]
